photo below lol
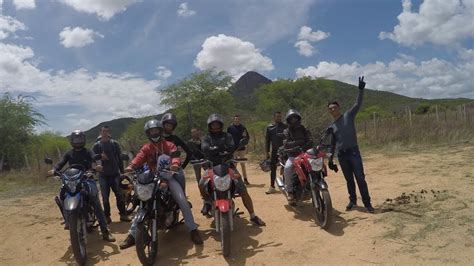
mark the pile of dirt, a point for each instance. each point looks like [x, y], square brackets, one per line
[413, 197]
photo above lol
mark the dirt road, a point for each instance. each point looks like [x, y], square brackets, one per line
[427, 228]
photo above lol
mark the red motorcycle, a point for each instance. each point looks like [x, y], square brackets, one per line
[221, 189]
[309, 182]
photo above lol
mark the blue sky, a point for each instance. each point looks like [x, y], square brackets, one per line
[88, 61]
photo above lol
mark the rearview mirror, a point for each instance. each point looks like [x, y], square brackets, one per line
[48, 161]
[243, 142]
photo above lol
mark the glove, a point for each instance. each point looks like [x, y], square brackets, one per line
[333, 166]
[361, 83]
[174, 168]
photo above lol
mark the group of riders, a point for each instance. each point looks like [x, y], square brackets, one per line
[105, 154]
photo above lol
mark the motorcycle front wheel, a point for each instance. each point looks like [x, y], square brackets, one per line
[77, 231]
[225, 233]
[147, 249]
[322, 207]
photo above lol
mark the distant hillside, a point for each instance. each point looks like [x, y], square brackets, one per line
[244, 88]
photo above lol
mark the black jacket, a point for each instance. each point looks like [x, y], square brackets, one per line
[82, 157]
[180, 143]
[297, 137]
[273, 137]
[114, 165]
[195, 147]
[238, 133]
[213, 144]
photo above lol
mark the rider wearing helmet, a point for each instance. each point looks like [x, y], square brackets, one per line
[213, 145]
[295, 136]
[170, 123]
[149, 154]
[85, 157]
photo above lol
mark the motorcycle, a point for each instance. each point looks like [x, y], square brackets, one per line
[76, 207]
[221, 188]
[157, 209]
[309, 180]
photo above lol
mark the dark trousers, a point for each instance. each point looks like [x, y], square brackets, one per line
[351, 165]
[273, 168]
[197, 172]
[107, 183]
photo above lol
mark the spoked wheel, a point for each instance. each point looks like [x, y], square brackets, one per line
[322, 207]
[225, 233]
[77, 231]
[146, 248]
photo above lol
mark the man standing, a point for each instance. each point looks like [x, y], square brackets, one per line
[194, 144]
[239, 132]
[274, 138]
[348, 154]
[109, 178]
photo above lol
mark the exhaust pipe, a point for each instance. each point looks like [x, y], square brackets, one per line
[280, 183]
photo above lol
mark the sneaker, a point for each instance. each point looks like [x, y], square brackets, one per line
[246, 181]
[350, 205]
[125, 218]
[370, 209]
[107, 236]
[128, 242]
[257, 221]
[196, 237]
[206, 208]
[271, 190]
[290, 197]
[107, 218]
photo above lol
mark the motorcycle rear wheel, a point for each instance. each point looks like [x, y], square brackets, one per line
[77, 231]
[146, 248]
[322, 207]
[225, 233]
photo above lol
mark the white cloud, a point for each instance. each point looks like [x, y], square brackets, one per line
[306, 37]
[434, 78]
[268, 21]
[77, 37]
[305, 48]
[104, 9]
[184, 11]
[9, 25]
[306, 33]
[24, 4]
[231, 54]
[101, 96]
[441, 22]
[163, 72]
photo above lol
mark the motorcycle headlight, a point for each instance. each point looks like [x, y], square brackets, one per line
[144, 192]
[222, 183]
[72, 182]
[316, 164]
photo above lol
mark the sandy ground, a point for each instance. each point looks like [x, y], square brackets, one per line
[435, 228]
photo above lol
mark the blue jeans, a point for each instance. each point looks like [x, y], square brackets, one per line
[112, 182]
[351, 165]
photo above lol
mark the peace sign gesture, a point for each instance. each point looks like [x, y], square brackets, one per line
[361, 83]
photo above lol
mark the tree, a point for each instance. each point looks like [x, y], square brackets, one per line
[195, 97]
[18, 120]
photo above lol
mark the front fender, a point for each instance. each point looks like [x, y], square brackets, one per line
[71, 202]
[319, 180]
[141, 214]
[223, 205]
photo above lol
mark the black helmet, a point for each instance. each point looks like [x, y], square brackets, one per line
[169, 118]
[77, 139]
[153, 124]
[215, 118]
[293, 117]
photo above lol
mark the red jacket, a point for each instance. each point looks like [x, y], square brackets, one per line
[150, 151]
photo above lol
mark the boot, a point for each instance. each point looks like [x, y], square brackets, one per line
[128, 242]
[195, 237]
[107, 236]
